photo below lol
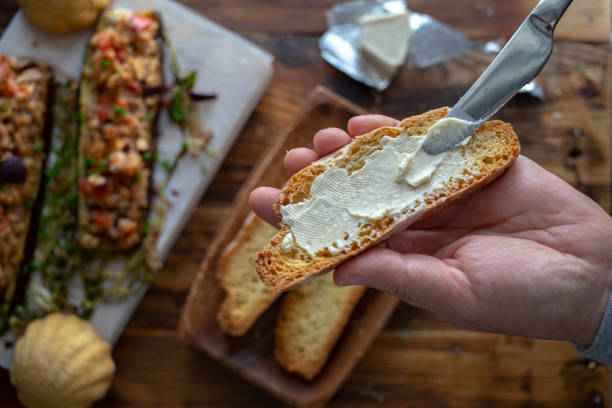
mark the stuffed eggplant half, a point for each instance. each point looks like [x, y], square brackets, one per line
[25, 129]
[116, 138]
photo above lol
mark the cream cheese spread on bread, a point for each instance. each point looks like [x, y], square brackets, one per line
[287, 243]
[419, 167]
[394, 179]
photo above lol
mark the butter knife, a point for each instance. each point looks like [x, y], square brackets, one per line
[517, 64]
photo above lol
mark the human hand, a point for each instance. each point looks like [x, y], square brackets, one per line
[528, 255]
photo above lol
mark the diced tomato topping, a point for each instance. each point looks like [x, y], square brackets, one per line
[140, 23]
[121, 102]
[120, 54]
[103, 40]
[127, 227]
[93, 191]
[110, 132]
[135, 87]
[9, 89]
[4, 225]
[102, 219]
[86, 189]
[5, 68]
[105, 107]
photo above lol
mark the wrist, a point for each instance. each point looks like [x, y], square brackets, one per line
[591, 315]
[601, 347]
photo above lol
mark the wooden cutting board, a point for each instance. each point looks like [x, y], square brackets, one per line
[251, 355]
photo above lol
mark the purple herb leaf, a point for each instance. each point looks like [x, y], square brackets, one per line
[155, 90]
[201, 96]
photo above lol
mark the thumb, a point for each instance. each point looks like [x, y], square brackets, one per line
[420, 280]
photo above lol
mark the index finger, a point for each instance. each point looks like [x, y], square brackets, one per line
[359, 125]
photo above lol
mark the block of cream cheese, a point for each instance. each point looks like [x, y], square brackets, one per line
[385, 39]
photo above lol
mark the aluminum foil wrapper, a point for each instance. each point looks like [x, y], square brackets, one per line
[431, 41]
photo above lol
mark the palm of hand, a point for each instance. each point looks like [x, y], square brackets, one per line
[524, 249]
[527, 255]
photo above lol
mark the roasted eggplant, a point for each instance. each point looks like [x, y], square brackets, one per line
[117, 130]
[26, 89]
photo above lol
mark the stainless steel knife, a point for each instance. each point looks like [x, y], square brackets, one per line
[517, 64]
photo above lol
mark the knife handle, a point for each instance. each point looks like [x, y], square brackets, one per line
[549, 13]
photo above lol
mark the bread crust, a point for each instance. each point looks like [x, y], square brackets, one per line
[282, 271]
[231, 319]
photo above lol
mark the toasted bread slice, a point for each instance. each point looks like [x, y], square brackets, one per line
[310, 322]
[246, 296]
[487, 153]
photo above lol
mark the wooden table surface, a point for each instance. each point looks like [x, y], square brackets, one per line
[418, 360]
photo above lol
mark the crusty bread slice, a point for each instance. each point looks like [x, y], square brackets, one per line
[246, 296]
[310, 322]
[489, 151]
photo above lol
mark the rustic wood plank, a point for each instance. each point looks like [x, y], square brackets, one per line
[251, 355]
[156, 369]
[452, 367]
[584, 21]
[587, 20]
[568, 133]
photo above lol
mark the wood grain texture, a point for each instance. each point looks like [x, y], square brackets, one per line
[418, 360]
[587, 20]
[251, 355]
[584, 21]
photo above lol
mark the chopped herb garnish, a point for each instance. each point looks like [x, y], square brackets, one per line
[52, 172]
[184, 144]
[118, 109]
[204, 169]
[5, 108]
[37, 145]
[167, 165]
[70, 143]
[72, 198]
[146, 227]
[43, 233]
[146, 155]
[67, 246]
[138, 176]
[79, 117]
[149, 116]
[89, 161]
[102, 166]
[105, 63]
[4, 186]
[211, 152]
[175, 106]
[29, 203]
[189, 80]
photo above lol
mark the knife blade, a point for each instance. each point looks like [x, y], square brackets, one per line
[517, 64]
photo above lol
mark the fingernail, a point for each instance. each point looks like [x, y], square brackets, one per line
[343, 280]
